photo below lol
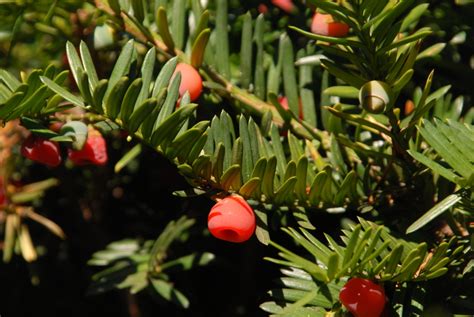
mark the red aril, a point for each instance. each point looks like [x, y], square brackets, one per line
[3, 192]
[284, 103]
[363, 298]
[41, 150]
[262, 8]
[94, 151]
[324, 24]
[285, 5]
[190, 81]
[231, 219]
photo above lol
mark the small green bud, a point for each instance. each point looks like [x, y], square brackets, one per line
[374, 96]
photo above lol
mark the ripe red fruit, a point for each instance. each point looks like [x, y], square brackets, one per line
[363, 298]
[94, 151]
[409, 107]
[284, 102]
[285, 5]
[3, 192]
[190, 81]
[41, 150]
[324, 24]
[262, 8]
[231, 219]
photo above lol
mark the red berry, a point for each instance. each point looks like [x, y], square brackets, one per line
[363, 298]
[94, 151]
[3, 192]
[41, 150]
[285, 5]
[262, 8]
[409, 107]
[324, 24]
[190, 81]
[284, 102]
[231, 219]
